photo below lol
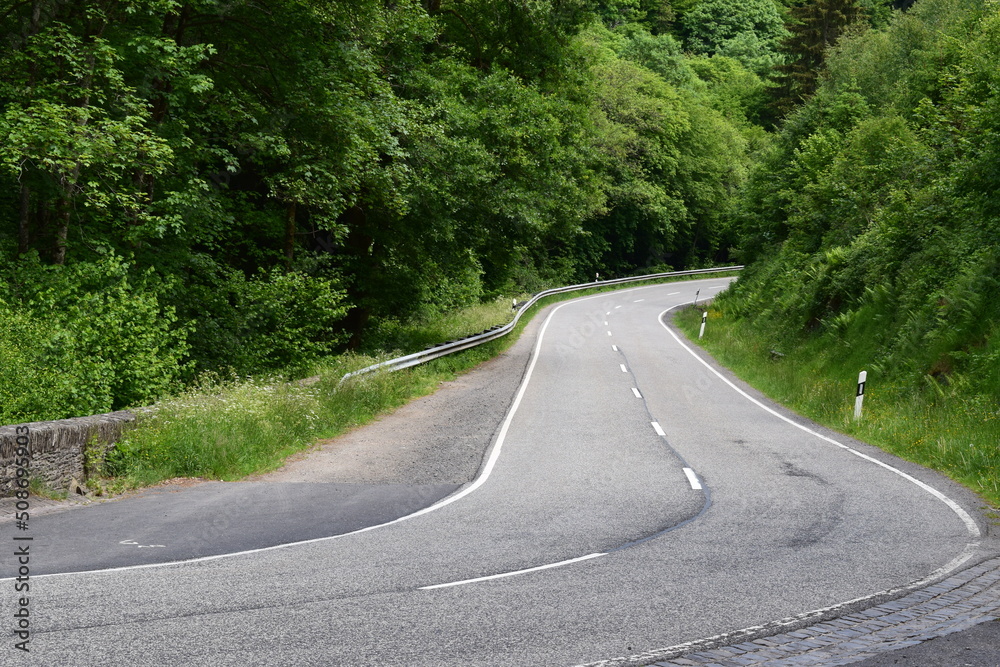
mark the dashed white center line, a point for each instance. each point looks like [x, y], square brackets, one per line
[638, 300]
[609, 333]
[617, 307]
[692, 478]
[657, 428]
[673, 293]
[614, 347]
[636, 392]
[624, 370]
[605, 323]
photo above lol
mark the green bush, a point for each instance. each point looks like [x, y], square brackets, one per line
[85, 339]
[273, 321]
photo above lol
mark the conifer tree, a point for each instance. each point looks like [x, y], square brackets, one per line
[814, 27]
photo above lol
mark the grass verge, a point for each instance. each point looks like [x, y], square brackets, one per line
[229, 428]
[952, 430]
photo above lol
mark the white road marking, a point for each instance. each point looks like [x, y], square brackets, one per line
[624, 370]
[605, 323]
[693, 479]
[133, 543]
[478, 482]
[658, 428]
[514, 573]
[673, 294]
[636, 392]
[617, 307]
[638, 300]
[970, 523]
[838, 609]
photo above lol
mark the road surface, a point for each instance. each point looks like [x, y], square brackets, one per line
[630, 497]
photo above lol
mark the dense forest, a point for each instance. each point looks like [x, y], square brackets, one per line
[244, 186]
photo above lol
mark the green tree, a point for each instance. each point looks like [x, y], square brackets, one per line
[815, 27]
[672, 161]
[873, 222]
[75, 134]
[656, 16]
[747, 30]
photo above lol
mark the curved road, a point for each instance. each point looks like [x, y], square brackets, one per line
[631, 499]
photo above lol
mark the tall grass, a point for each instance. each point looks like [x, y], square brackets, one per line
[229, 428]
[950, 428]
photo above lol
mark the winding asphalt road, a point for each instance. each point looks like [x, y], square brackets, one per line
[632, 497]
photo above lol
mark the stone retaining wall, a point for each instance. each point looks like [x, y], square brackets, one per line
[57, 447]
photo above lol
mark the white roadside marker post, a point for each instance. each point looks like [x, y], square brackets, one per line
[704, 317]
[860, 398]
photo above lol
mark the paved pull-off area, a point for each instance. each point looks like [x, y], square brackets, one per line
[600, 490]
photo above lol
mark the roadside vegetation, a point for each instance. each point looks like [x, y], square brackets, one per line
[227, 428]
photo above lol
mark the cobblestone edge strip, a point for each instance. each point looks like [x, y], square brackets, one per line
[856, 609]
[953, 605]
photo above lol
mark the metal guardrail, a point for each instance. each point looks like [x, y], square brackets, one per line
[451, 347]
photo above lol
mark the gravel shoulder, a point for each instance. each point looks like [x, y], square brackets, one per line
[435, 439]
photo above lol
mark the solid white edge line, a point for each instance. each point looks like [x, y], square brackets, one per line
[692, 479]
[969, 522]
[462, 493]
[636, 392]
[478, 482]
[744, 634]
[659, 429]
[514, 573]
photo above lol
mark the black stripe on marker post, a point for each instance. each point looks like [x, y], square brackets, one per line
[860, 396]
